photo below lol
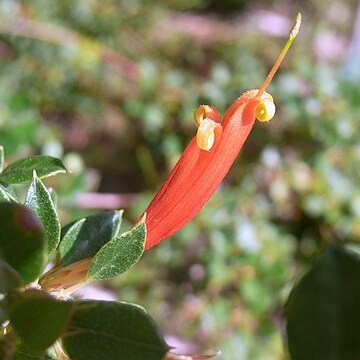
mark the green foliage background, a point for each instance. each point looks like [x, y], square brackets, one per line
[121, 118]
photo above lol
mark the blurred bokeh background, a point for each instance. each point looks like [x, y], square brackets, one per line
[109, 86]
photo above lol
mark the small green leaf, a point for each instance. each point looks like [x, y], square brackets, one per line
[39, 200]
[119, 254]
[1, 158]
[9, 278]
[22, 170]
[6, 195]
[22, 241]
[323, 310]
[83, 238]
[38, 319]
[113, 330]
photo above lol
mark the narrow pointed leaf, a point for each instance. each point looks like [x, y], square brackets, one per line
[84, 238]
[22, 241]
[9, 277]
[119, 254]
[39, 200]
[6, 195]
[323, 310]
[22, 170]
[38, 319]
[113, 330]
[1, 158]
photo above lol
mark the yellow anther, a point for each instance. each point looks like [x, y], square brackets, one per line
[265, 111]
[205, 136]
[201, 112]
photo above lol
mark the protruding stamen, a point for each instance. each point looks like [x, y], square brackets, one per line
[292, 36]
[296, 27]
[200, 113]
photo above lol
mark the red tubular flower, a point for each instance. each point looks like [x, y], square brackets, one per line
[208, 157]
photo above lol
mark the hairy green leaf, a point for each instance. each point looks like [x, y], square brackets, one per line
[83, 238]
[22, 170]
[119, 254]
[6, 195]
[323, 310]
[39, 200]
[22, 242]
[113, 330]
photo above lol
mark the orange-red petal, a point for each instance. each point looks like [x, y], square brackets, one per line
[198, 174]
